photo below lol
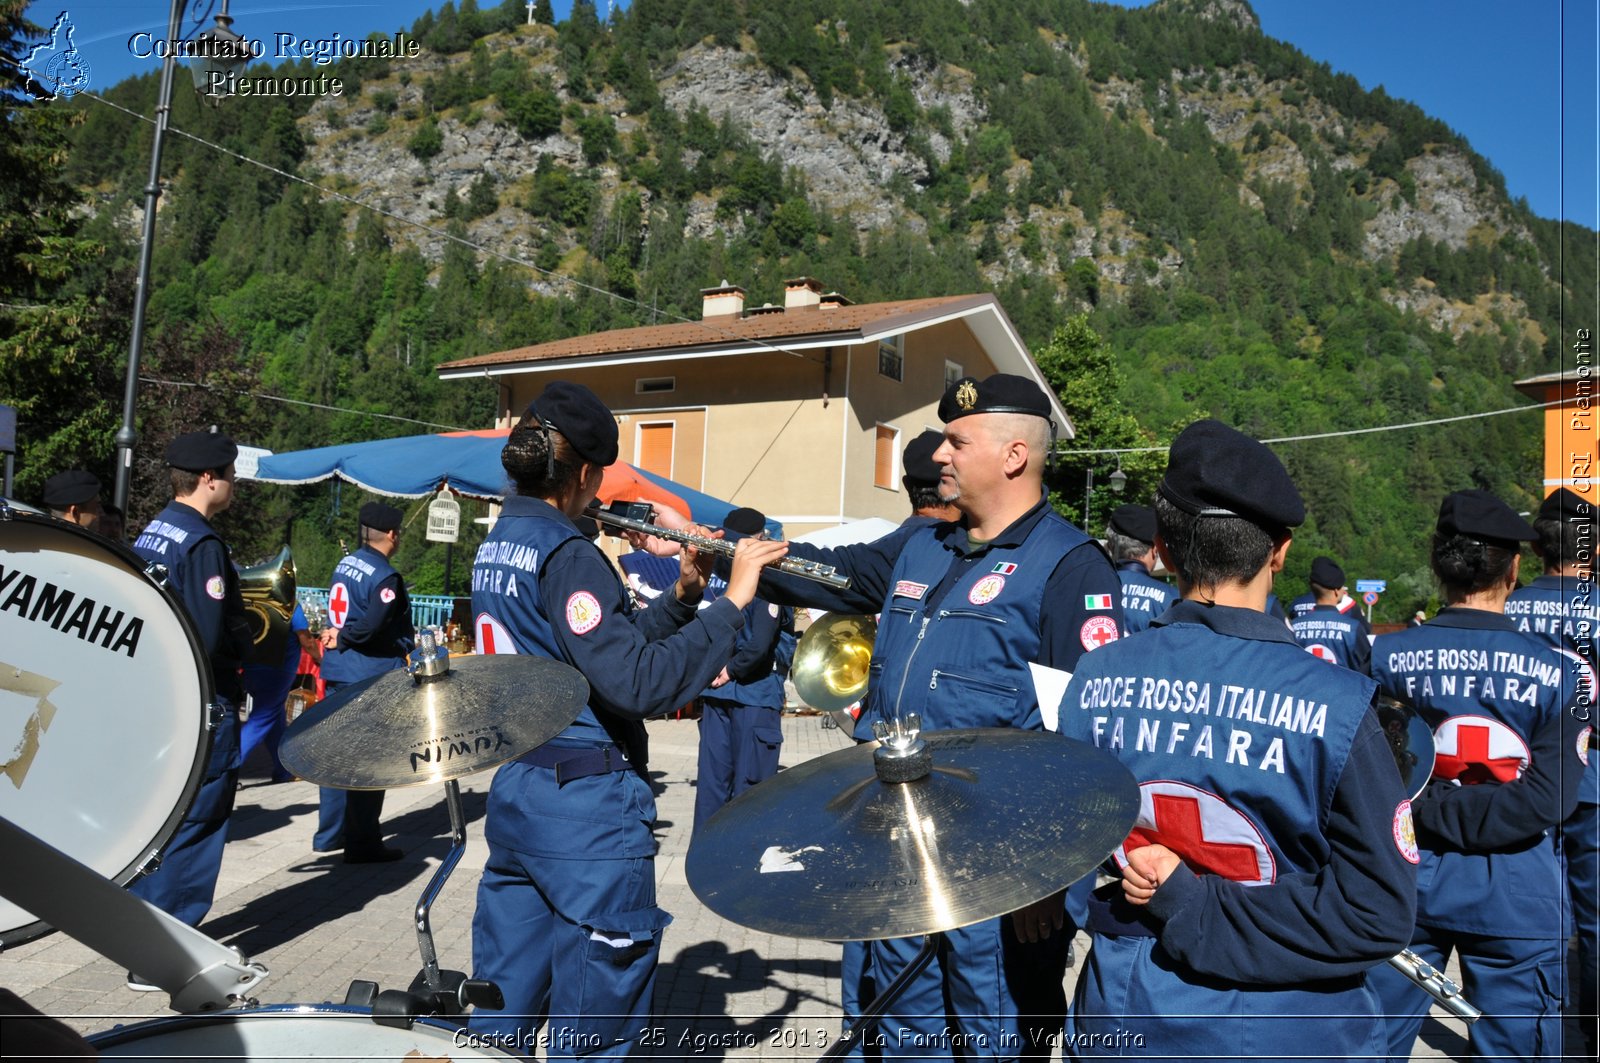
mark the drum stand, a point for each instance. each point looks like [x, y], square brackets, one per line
[433, 991]
[199, 974]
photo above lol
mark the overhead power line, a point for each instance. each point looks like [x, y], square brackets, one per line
[1334, 435]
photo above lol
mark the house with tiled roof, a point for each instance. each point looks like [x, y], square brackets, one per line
[799, 410]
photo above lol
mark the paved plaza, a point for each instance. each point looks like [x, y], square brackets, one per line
[723, 992]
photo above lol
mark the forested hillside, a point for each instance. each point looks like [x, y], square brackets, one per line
[1182, 216]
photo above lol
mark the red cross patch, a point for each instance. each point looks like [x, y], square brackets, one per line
[1097, 631]
[1212, 837]
[1474, 749]
[338, 605]
[1322, 653]
[492, 637]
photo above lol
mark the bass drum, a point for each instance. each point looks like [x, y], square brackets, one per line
[289, 1032]
[104, 694]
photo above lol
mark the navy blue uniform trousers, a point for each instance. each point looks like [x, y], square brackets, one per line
[186, 881]
[348, 819]
[583, 933]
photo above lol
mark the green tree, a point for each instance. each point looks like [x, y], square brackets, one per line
[427, 141]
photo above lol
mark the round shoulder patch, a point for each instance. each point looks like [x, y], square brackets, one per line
[216, 588]
[1405, 833]
[772, 611]
[583, 613]
[386, 595]
[1584, 740]
[1097, 631]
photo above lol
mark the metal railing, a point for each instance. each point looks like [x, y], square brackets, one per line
[427, 610]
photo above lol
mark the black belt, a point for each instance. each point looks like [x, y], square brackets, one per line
[570, 763]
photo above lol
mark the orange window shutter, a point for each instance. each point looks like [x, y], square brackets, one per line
[655, 448]
[883, 469]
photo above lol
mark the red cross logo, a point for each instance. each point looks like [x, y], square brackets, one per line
[1475, 749]
[338, 605]
[1211, 837]
[1097, 631]
[492, 637]
[1322, 653]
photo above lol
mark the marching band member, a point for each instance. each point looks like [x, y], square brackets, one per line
[369, 632]
[200, 573]
[1270, 865]
[1332, 636]
[1561, 608]
[965, 607]
[1509, 763]
[1130, 536]
[566, 923]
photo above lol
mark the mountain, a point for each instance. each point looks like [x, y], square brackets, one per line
[1246, 233]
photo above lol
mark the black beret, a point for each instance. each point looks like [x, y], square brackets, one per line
[1563, 504]
[201, 451]
[1217, 471]
[1001, 393]
[745, 521]
[579, 415]
[1325, 572]
[920, 470]
[380, 517]
[1134, 521]
[71, 488]
[1480, 515]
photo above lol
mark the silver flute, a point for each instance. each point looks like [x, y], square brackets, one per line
[794, 566]
[1433, 982]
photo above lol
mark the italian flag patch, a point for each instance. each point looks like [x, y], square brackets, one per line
[1097, 601]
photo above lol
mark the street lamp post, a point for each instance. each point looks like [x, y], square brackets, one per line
[1118, 480]
[224, 41]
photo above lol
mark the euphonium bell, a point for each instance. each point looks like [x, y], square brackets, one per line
[832, 660]
[268, 590]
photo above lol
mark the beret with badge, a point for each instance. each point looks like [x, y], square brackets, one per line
[579, 415]
[380, 517]
[71, 488]
[1217, 471]
[920, 470]
[1325, 572]
[1000, 393]
[1477, 514]
[201, 451]
[1134, 521]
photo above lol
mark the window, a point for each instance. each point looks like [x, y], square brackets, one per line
[655, 448]
[655, 385]
[891, 357]
[952, 373]
[886, 466]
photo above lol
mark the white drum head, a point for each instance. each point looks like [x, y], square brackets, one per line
[289, 1032]
[104, 691]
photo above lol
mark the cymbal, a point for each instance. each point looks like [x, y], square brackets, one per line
[827, 850]
[394, 730]
[1410, 740]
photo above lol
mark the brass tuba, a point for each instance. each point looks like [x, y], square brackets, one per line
[268, 590]
[832, 660]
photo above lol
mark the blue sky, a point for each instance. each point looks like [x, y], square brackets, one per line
[1519, 81]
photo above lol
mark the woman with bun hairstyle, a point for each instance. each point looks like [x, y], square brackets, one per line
[1510, 751]
[566, 922]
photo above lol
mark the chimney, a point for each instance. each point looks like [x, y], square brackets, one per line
[724, 300]
[832, 301]
[801, 291]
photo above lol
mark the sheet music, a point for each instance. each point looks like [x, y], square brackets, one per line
[1049, 685]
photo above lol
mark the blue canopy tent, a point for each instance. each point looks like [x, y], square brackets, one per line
[469, 462]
